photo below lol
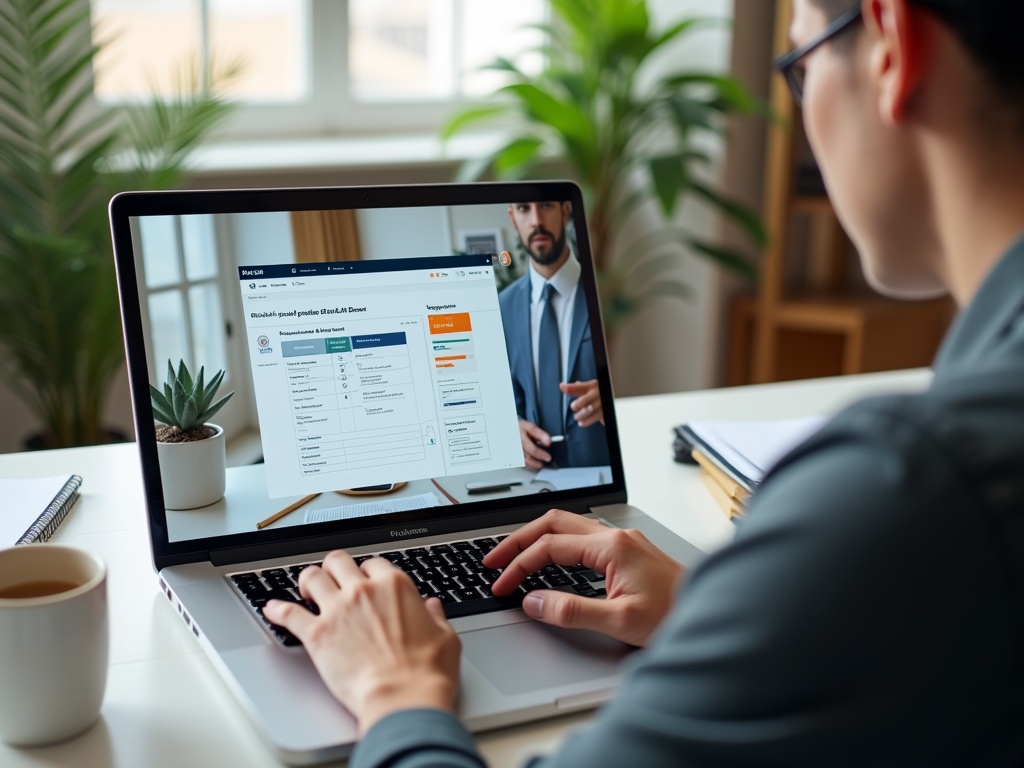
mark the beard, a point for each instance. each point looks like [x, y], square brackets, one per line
[550, 257]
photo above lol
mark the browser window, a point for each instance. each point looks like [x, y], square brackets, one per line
[379, 372]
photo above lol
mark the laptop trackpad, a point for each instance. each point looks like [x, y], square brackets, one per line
[520, 658]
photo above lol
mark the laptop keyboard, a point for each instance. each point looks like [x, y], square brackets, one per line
[454, 573]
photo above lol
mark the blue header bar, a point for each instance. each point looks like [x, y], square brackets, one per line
[364, 267]
[378, 340]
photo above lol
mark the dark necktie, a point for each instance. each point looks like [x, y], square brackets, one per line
[549, 375]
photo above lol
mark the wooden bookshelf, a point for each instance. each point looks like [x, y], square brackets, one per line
[812, 314]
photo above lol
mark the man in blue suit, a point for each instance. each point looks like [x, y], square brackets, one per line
[550, 349]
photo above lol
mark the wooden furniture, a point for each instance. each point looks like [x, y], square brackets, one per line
[813, 314]
[166, 707]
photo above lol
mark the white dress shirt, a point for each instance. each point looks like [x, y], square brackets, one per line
[565, 282]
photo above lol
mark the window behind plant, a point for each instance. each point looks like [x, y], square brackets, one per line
[150, 39]
[398, 51]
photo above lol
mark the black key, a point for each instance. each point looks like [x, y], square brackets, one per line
[468, 594]
[584, 589]
[274, 594]
[238, 578]
[441, 549]
[485, 605]
[560, 580]
[362, 559]
[485, 543]
[550, 570]
[445, 584]
[429, 574]
[458, 557]
[406, 565]
[474, 566]
[297, 569]
[288, 640]
[591, 576]
[475, 554]
[602, 592]
[445, 598]
[433, 561]
[531, 584]
[274, 572]
[426, 590]
[252, 589]
[490, 575]
[500, 539]
[392, 556]
[579, 578]
[418, 552]
[575, 568]
[452, 571]
[281, 582]
[472, 580]
[462, 546]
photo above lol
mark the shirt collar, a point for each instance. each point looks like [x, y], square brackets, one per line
[564, 280]
[992, 313]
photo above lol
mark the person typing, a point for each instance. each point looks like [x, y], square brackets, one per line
[868, 611]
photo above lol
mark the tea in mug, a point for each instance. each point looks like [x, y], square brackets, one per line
[40, 588]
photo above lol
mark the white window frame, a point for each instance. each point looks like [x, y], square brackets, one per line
[327, 108]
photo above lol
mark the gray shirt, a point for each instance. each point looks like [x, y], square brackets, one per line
[869, 611]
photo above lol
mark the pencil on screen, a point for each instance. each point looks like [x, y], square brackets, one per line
[290, 508]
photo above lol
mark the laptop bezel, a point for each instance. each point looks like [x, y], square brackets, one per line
[295, 540]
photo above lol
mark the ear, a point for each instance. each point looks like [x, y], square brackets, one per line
[897, 56]
[566, 209]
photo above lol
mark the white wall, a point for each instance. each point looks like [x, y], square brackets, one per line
[262, 238]
[387, 233]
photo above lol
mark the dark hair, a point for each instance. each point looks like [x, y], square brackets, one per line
[989, 29]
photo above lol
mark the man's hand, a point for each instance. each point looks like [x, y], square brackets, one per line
[378, 647]
[530, 435]
[586, 406]
[641, 579]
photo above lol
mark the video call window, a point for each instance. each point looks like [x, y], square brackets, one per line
[378, 364]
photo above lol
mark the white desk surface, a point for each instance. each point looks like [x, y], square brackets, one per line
[164, 704]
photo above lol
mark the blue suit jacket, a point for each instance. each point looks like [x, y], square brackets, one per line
[587, 447]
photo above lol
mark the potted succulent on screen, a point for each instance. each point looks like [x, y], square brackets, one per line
[193, 459]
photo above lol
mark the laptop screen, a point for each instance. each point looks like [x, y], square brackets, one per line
[380, 361]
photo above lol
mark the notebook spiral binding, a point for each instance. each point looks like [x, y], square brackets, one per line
[45, 525]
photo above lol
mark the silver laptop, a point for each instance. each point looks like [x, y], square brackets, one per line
[384, 345]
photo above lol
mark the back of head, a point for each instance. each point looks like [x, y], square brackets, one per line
[989, 29]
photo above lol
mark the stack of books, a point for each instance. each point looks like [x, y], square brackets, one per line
[735, 456]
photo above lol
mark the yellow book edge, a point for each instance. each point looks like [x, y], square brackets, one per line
[727, 484]
[730, 506]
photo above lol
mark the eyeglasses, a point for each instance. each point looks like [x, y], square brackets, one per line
[790, 64]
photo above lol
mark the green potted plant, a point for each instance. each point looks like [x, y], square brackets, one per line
[61, 160]
[193, 460]
[586, 108]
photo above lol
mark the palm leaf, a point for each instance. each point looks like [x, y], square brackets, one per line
[60, 331]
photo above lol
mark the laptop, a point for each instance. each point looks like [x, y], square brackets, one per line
[384, 347]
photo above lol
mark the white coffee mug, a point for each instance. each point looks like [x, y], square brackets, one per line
[54, 648]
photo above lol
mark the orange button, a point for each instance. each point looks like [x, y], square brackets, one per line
[449, 323]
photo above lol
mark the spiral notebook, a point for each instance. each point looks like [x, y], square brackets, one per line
[31, 510]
